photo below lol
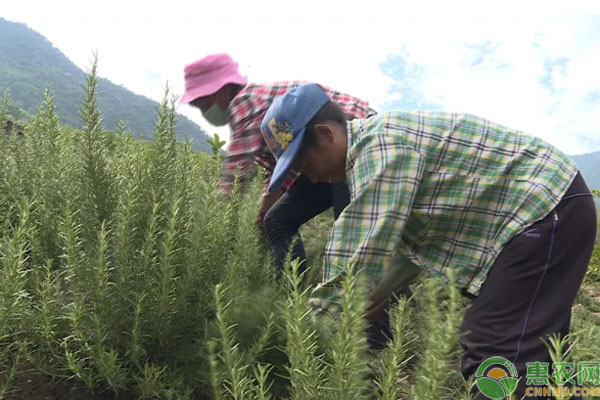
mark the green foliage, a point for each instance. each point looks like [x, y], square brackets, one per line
[560, 350]
[394, 359]
[13, 294]
[125, 269]
[3, 113]
[347, 350]
[111, 250]
[305, 369]
[440, 340]
[216, 146]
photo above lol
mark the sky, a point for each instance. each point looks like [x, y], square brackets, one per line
[532, 67]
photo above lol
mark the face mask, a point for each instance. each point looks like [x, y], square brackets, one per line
[216, 116]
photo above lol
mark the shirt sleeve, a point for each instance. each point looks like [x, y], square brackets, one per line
[241, 164]
[244, 142]
[352, 106]
[384, 178]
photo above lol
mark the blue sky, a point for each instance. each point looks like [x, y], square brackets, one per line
[544, 81]
[531, 66]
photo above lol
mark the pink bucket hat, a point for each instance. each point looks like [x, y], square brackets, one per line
[209, 74]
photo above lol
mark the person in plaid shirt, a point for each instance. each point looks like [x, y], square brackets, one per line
[507, 213]
[214, 85]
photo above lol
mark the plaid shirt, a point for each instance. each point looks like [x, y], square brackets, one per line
[444, 191]
[247, 145]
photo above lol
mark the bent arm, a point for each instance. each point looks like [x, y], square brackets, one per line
[383, 180]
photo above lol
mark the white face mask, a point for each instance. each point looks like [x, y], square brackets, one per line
[216, 116]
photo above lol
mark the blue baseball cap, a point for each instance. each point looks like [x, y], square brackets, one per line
[284, 124]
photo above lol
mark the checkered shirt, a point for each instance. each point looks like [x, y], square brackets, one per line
[445, 191]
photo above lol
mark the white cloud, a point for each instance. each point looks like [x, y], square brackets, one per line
[142, 45]
[495, 67]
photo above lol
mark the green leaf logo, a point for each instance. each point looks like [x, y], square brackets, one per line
[497, 378]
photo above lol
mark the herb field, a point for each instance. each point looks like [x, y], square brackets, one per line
[126, 274]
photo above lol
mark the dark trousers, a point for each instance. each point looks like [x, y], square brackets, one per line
[531, 288]
[302, 202]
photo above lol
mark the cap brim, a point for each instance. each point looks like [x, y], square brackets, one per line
[284, 163]
[210, 88]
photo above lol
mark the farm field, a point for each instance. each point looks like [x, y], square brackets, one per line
[125, 274]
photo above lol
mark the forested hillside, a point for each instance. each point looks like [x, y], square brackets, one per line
[589, 165]
[28, 62]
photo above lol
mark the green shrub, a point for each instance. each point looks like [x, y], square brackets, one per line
[112, 249]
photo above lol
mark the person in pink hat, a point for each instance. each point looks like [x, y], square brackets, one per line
[214, 85]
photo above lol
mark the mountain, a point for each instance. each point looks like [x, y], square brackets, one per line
[589, 165]
[28, 61]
